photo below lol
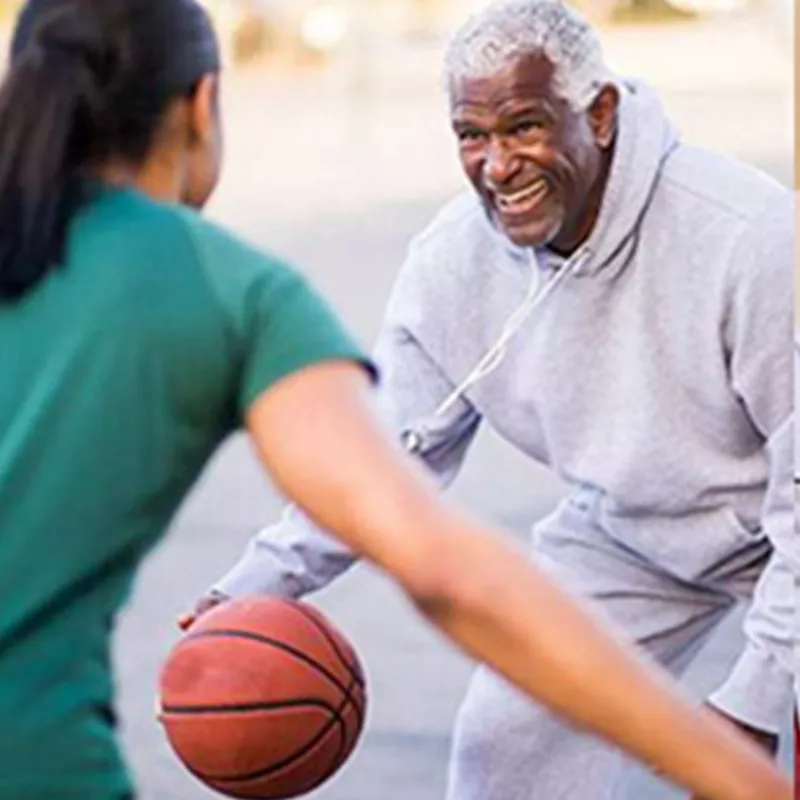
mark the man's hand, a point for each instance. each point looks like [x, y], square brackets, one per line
[204, 604]
[766, 741]
[185, 621]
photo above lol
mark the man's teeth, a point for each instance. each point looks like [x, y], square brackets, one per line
[534, 192]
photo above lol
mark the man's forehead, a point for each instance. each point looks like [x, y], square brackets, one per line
[528, 76]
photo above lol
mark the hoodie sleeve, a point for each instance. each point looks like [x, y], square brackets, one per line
[758, 690]
[293, 558]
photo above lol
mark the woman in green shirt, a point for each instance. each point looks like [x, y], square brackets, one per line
[136, 336]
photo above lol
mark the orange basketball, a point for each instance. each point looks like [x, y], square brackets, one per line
[263, 698]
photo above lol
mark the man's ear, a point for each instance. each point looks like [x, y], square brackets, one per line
[603, 116]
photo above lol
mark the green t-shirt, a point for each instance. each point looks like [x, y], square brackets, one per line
[120, 374]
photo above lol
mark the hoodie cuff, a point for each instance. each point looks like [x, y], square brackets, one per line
[258, 574]
[758, 692]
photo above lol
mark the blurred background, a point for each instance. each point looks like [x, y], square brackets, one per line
[338, 152]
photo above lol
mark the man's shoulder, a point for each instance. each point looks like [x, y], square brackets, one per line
[459, 225]
[727, 207]
[724, 186]
[450, 260]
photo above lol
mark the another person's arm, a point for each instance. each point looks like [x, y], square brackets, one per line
[487, 598]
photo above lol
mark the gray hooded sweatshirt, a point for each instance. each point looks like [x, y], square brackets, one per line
[653, 365]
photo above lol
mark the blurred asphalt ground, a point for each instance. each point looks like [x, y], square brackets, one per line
[337, 173]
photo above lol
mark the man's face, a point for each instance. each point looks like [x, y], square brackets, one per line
[538, 165]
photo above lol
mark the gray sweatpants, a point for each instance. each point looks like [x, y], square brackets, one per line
[508, 748]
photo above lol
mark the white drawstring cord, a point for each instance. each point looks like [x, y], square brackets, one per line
[413, 437]
[494, 357]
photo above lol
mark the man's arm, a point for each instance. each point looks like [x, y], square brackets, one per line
[757, 691]
[294, 557]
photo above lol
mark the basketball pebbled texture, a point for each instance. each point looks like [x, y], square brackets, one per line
[263, 698]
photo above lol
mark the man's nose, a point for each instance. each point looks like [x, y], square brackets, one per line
[501, 161]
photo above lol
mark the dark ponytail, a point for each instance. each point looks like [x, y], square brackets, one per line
[88, 80]
[46, 107]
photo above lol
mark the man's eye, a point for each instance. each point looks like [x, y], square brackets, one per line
[471, 135]
[526, 126]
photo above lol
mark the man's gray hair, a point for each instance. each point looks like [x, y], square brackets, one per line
[505, 30]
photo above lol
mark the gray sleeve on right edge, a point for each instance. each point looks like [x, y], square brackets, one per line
[758, 689]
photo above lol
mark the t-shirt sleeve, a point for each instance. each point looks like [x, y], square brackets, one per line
[290, 327]
[277, 321]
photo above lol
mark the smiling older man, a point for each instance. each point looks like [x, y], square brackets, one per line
[618, 305]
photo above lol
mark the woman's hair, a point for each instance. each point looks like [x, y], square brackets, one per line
[87, 81]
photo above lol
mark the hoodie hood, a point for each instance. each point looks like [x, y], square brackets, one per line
[645, 139]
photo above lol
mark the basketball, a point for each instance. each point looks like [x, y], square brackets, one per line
[263, 698]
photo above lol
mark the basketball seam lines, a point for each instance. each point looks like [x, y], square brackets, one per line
[298, 654]
[244, 707]
[355, 678]
[336, 714]
[339, 712]
[347, 692]
[359, 680]
[334, 719]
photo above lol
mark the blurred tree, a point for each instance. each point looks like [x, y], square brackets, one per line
[648, 9]
[652, 5]
[624, 10]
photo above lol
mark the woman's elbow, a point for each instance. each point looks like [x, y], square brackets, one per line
[441, 575]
